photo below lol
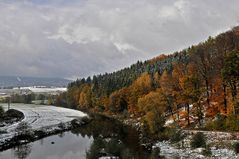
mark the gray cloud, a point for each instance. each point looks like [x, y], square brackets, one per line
[84, 37]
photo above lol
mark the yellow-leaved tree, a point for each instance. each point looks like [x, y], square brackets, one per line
[85, 97]
[153, 106]
[140, 87]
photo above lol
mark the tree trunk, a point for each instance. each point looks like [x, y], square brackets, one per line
[225, 96]
[207, 87]
[200, 115]
[234, 94]
[170, 104]
[188, 111]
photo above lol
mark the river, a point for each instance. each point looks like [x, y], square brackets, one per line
[101, 137]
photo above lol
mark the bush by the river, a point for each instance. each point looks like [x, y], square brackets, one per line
[23, 128]
[198, 140]
[236, 147]
[12, 113]
[10, 116]
[1, 112]
[177, 135]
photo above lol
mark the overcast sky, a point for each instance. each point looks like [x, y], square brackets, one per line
[79, 38]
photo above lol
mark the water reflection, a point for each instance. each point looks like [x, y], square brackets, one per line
[61, 135]
[22, 151]
[108, 147]
[102, 137]
[111, 138]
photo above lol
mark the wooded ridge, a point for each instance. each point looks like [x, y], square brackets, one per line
[203, 79]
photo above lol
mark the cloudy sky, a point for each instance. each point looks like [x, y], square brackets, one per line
[78, 38]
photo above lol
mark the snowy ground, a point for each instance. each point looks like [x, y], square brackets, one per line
[218, 141]
[36, 89]
[39, 116]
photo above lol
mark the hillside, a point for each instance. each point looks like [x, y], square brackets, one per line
[203, 79]
[107, 83]
[15, 81]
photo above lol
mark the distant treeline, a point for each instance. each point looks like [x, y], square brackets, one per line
[15, 81]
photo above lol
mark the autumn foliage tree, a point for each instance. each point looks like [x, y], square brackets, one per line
[85, 99]
[142, 86]
[153, 106]
[118, 101]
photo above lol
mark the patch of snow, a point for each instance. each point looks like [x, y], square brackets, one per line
[183, 149]
[40, 117]
[168, 122]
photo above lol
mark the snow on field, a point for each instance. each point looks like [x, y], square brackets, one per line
[42, 89]
[40, 116]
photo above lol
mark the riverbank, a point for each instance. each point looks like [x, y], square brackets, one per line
[33, 135]
[220, 144]
[38, 122]
[135, 122]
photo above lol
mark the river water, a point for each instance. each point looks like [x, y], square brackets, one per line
[102, 137]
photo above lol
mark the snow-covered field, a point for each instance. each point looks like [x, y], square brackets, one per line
[36, 89]
[40, 116]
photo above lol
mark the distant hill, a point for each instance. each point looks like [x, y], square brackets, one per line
[17, 81]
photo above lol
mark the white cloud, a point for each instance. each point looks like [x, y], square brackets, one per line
[168, 12]
[124, 47]
[81, 37]
[79, 34]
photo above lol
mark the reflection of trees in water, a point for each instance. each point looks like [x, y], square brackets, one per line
[61, 135]
[102, 128]
[42, 141]
[108, 147]
[22, 151]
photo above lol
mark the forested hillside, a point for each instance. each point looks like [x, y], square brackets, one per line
[203, 79]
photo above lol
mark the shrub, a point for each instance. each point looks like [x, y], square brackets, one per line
[217, 124]
[114, 147]
[155, 153]
[154, 121]
[232, 123]
[236, 147]
[12, 113]
[1, 111]
[40, 133]
[62, 126]
[126, 154]
[177, 136]
[198, 140]
[23, 128]
[207, 151]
